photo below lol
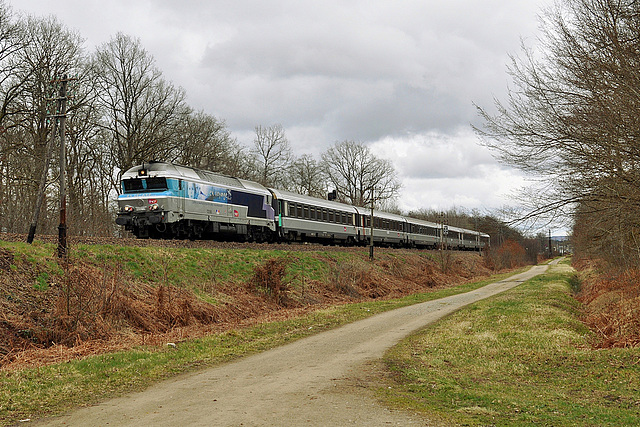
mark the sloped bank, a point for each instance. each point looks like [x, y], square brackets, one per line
[110, 297]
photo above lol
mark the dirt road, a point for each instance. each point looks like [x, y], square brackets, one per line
[311, 382]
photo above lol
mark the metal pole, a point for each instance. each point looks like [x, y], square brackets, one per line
[550, 250]
[371, 237]
[62, 228]
[441, 230]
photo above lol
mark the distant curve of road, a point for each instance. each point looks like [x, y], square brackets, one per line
[306, 383]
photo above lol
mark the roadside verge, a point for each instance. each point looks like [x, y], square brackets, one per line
[521, 357]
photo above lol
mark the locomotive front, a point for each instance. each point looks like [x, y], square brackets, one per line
[148, 194]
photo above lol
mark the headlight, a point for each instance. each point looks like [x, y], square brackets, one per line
[154, 207]
[128, 209]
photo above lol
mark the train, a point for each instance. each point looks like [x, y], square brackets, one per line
[162, 200]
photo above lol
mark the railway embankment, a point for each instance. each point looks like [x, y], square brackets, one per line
[118, 294]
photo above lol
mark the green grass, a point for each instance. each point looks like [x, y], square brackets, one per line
[519, 358]
[42, 282]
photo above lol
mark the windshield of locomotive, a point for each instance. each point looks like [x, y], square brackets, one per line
[137, 185]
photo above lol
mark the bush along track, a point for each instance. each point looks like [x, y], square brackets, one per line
[522, 357]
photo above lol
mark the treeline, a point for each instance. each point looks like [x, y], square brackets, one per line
[121, 111]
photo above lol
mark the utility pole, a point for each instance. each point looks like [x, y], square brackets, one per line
[550, 248]
[371, 237]
[59, 117]
[441, 230]
[62, 228]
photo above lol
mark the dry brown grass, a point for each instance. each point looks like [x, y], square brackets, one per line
[612, 304]
[270, 279]
[100, 309]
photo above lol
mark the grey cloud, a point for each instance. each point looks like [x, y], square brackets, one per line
[379, 71]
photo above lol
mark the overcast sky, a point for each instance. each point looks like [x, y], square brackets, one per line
[399, 75]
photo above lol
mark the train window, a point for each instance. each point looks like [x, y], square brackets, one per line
[157, 184]
[325, 215]
[306, 212]
[132, 185]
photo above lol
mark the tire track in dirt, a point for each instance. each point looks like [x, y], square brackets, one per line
[308, 382]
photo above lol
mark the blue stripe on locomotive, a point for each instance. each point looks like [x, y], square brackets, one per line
[257, 207]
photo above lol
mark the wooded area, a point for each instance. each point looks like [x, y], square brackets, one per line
[572, 118]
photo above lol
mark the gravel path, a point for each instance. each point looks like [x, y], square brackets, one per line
[311, 382]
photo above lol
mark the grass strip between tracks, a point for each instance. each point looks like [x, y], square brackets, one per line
[521, 357]
[50, 390]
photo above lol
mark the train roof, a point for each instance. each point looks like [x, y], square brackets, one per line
[451, 228]
[187, 172]
[381, 214]
[422, 222]
[310, 200]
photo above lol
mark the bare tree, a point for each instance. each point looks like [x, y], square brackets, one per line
[358, 176]
[13, 77]
[573, 115]
[272, 153]
[12, 83]
[205, 142]
[141, 110]
[50, 51]
[307, 177]
[90, 182]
